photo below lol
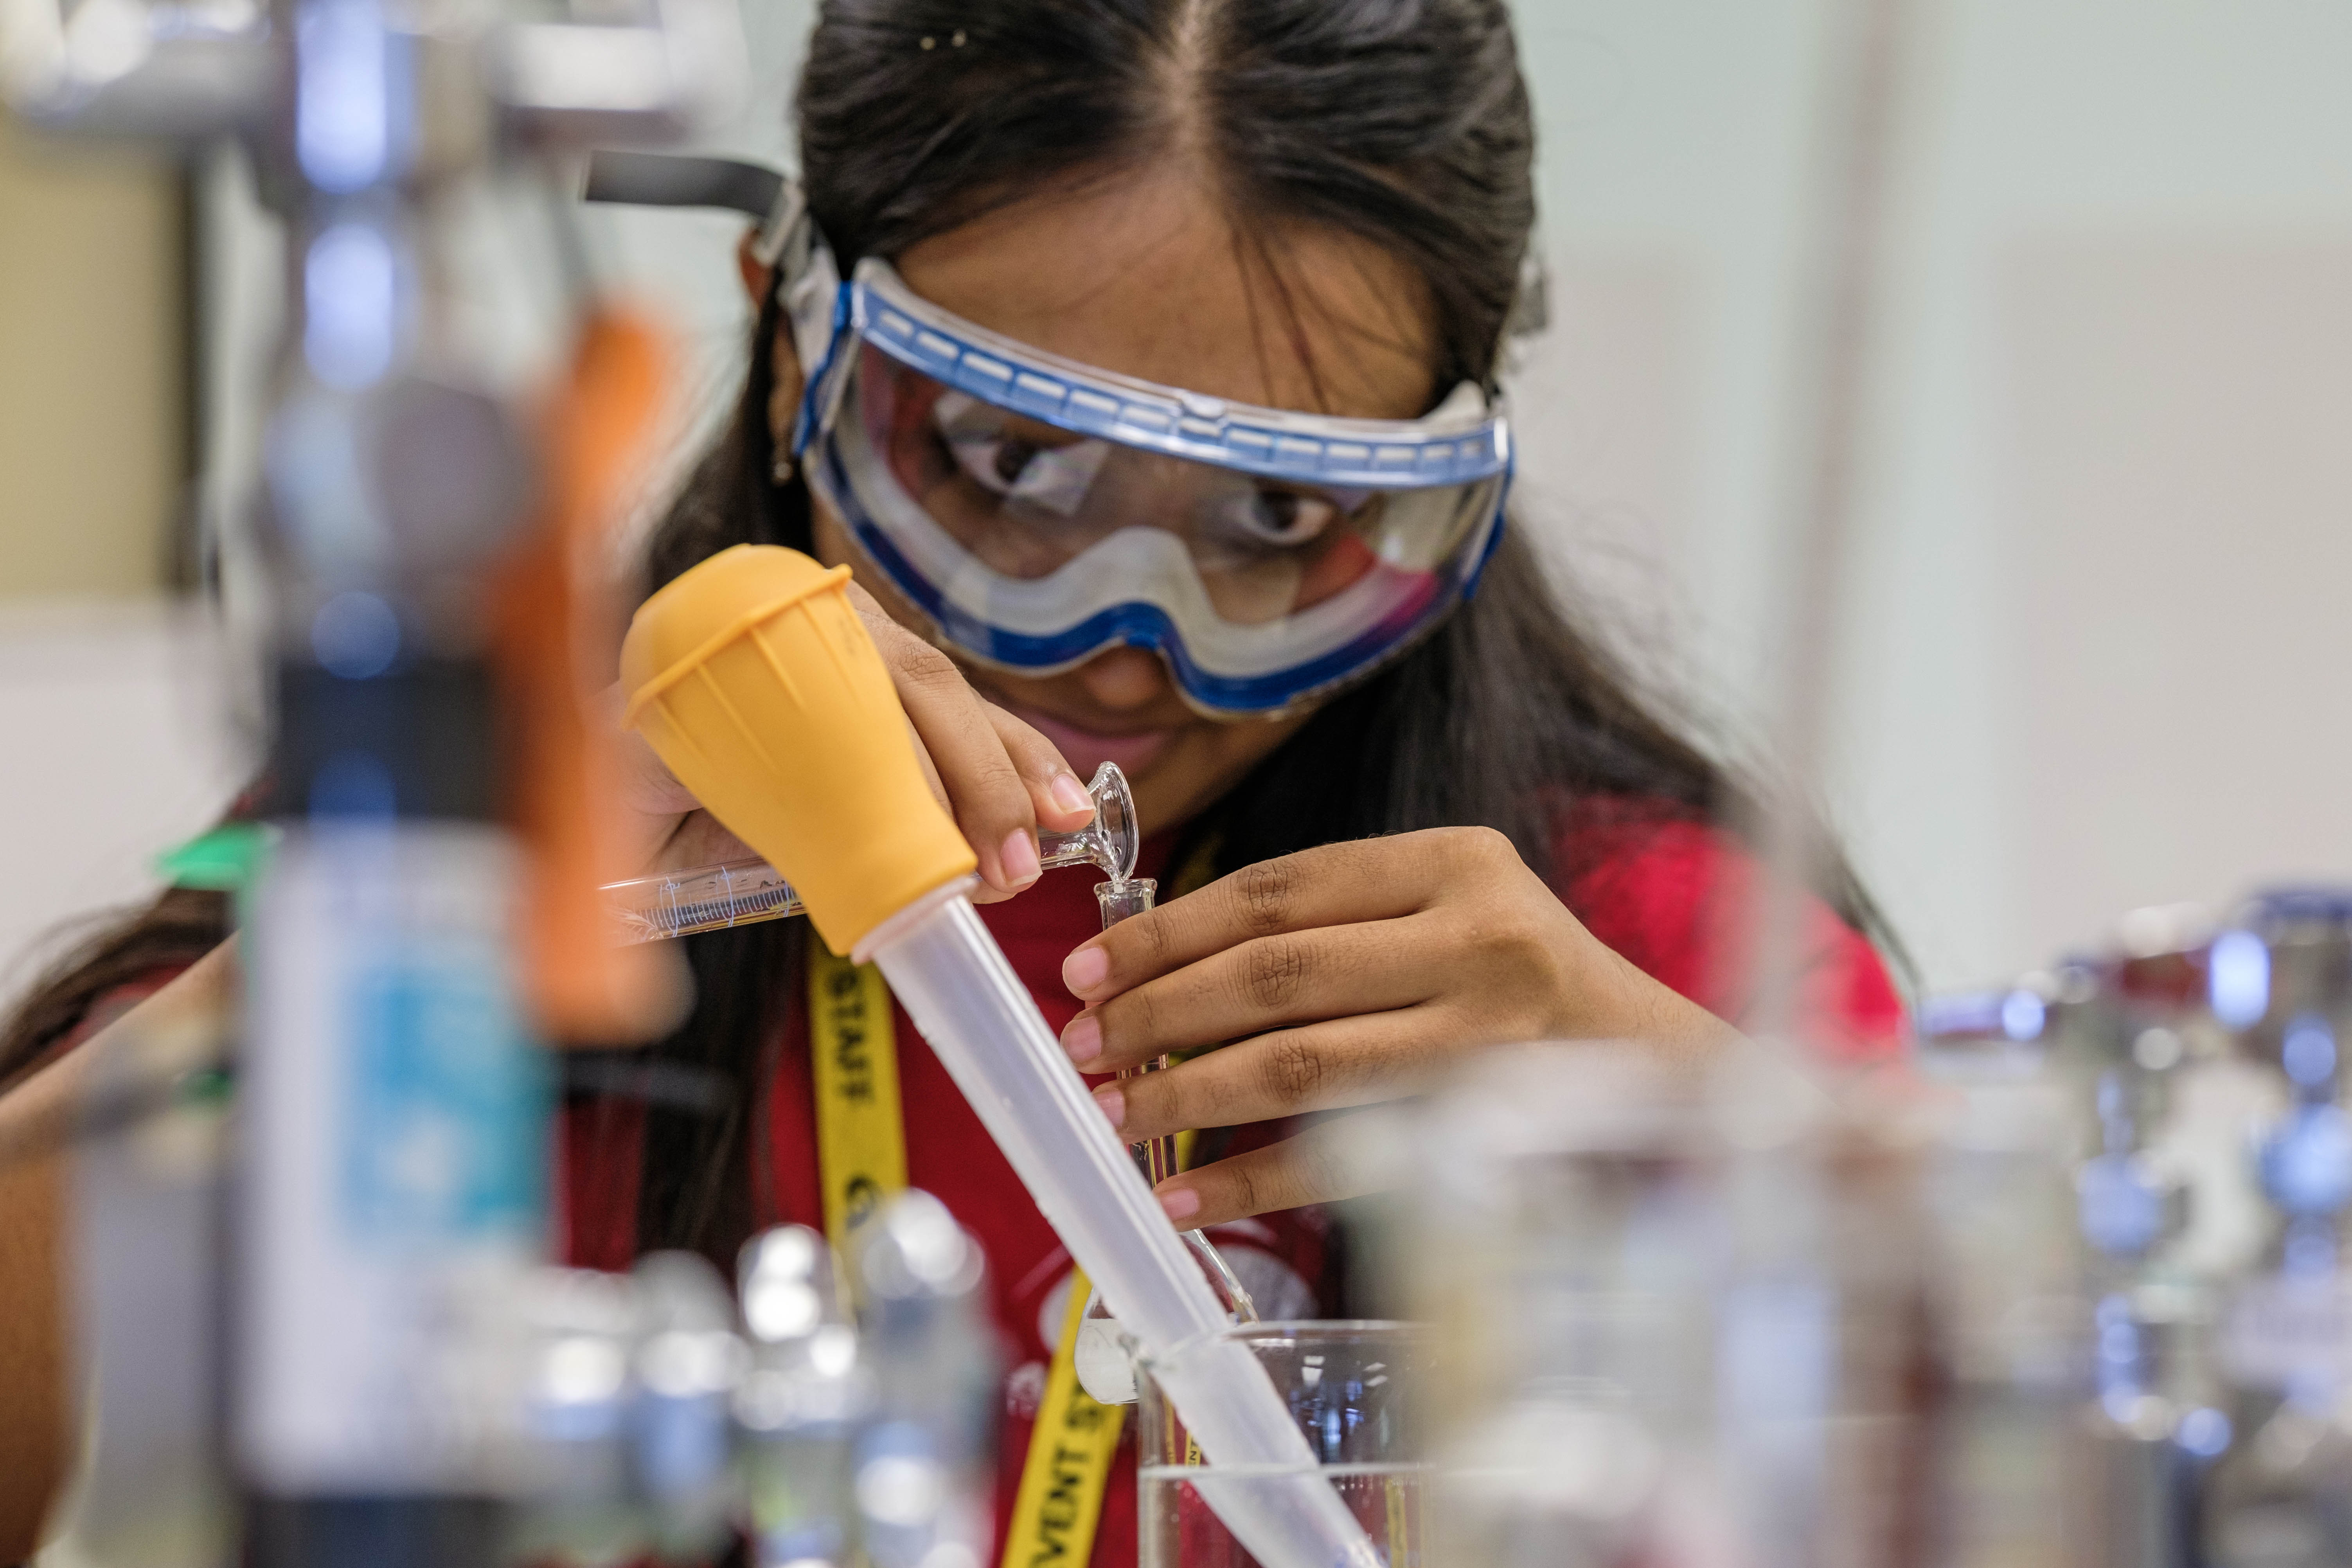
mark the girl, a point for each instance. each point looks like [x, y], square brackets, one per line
[1400, 806]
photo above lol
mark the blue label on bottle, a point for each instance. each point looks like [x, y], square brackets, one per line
[448, 1099]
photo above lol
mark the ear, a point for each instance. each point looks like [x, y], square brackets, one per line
[758, 277]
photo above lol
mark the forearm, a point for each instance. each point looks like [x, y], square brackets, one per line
[37, 1119]
[35, 1432]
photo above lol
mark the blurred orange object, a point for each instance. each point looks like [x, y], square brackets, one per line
[555, 619]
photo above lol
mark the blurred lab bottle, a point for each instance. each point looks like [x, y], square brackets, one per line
[2005, 1286]
[2164, 1215]
[392, 1102]
[2282, 1497]
[922, 1482]
[800, 1407]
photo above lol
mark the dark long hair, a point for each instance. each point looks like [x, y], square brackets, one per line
[1404, 122]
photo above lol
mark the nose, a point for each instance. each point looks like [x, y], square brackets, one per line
[1123, 677]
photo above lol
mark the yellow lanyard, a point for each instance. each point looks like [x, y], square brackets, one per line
[1070, 1452]
[861, 1140]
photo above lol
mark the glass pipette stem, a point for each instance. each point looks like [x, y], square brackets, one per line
[740, 892]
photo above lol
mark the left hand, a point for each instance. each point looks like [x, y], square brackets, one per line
[1345, 975]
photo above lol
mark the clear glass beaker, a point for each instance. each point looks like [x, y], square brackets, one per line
[1354, 1388]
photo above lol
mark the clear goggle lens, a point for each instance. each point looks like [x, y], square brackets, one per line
[1023, 499]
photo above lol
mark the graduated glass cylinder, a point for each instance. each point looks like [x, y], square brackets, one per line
[742, 892]
[1354, 1390]
[1121, 900]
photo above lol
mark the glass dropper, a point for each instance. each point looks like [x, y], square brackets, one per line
[739, 892]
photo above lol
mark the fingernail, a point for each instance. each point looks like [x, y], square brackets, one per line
[1019, 858]
[1083, 1039]
[1070, 794]
[1180, 1204]
[1112, 1104]
[1085, 969]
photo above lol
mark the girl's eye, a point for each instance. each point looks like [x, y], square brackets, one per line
[1286, 518]
[1012, 459]
[975, 436]
[994, 463]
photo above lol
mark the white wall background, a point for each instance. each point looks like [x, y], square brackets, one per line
[2092, 657]
[117, 749]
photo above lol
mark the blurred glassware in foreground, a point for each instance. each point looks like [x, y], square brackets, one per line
[2002, 1279]
[2281, 976]
[656, 1414]
[2211, 1170]
[922, 1480]
[800, 1405]
[1676, 1318]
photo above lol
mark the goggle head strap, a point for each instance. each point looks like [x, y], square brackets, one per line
[787, 242]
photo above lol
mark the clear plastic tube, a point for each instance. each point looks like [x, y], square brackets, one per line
[740, 892]
[955, 984]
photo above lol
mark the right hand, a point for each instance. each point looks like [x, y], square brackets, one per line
[999, 779]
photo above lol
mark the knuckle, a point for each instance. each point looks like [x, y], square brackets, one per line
[1147, 935]
[1245, 1187]
[1216, 1096]
[1516, 937]
[1032, 754]
[1266, 893]
[1294, 1070]
[1168, 1096]
[1480, 846]
[925, 670]
[1273, 973]
[986, 791]
[1132, 1020]
[996, 771]
[1036, 761]
[1149, 1101]
[1319, 1168]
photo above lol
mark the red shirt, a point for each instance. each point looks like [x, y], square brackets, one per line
[1667, 893]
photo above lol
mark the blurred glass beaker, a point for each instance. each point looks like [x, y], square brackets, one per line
[1354, 1388]
[1679, 1315]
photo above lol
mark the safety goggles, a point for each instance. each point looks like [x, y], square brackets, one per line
[1039, 510]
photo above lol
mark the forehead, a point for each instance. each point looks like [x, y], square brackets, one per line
[1146, 275]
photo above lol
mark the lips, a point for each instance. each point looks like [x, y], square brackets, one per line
[1085, 751]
